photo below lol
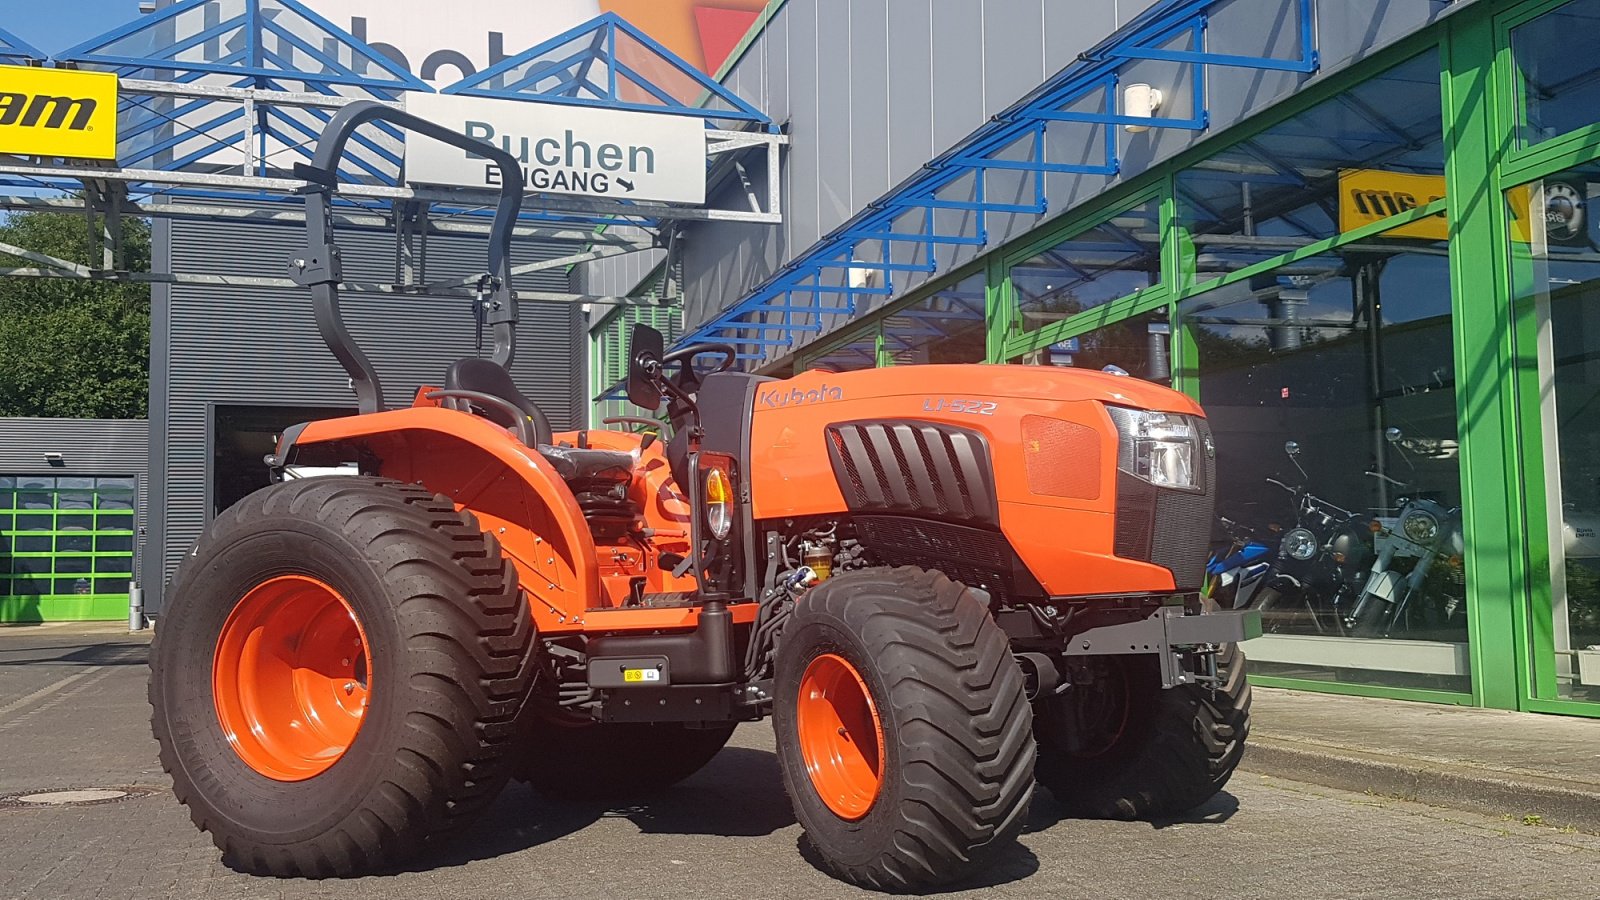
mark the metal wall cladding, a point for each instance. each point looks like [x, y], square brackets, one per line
[251, 346]
[108, 448]
[871, 91]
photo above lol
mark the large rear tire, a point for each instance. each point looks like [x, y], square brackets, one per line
[1145, 752]
[586, 761]
[337, 677]
[903, 728]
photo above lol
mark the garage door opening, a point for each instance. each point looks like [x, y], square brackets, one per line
[241, 438]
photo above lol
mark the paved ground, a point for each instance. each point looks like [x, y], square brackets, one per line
[1485, 760]
[72, 715]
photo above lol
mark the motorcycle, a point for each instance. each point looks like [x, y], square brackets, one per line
[1320, 565]
[1425, 531]
[1234, 575]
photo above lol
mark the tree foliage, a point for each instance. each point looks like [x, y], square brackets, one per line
[72, 348]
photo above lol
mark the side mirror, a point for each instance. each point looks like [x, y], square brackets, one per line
[1291, 447]
[1393, 435]
[645, 349]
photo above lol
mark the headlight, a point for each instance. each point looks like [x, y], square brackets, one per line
[1160, 448]
[1299, 544]
[717, 488]
[1420, 527]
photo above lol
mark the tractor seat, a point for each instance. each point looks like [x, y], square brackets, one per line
[485, 376]
[580, 466]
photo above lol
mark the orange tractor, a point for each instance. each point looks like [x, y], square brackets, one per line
[940, 582]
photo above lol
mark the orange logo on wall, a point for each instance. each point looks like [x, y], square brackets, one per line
[703, 33]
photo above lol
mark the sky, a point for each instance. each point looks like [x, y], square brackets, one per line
[55, 26]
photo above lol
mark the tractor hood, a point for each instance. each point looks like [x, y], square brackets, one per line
[942, 386]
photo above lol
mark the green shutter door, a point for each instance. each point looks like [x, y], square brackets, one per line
[66, 547]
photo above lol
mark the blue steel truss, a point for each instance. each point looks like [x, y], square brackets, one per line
[14, 50]
[281, 45]
[948, 202]
[590, 65]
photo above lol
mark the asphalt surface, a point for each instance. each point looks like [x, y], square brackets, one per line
[73, 715]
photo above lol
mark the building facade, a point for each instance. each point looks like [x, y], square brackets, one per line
[1358, 227]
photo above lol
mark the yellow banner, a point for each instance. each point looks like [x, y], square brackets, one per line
[58, 112]
[1368, 195]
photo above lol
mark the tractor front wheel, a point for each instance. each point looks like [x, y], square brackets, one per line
[1116, 745]
[338, 676]
[903, 728]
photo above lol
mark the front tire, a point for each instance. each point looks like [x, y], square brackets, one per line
[903, 728]
[1147, 752]
[366, 603]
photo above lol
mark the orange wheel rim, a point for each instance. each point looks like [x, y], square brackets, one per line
[841, 737]
[291, 677]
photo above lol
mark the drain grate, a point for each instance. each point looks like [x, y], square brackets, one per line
[72, 797]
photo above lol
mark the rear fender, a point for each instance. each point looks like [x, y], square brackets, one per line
[515, 494]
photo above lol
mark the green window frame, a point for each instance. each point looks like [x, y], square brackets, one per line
[1015, 342]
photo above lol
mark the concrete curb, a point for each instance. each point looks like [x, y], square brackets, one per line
[1555, 801]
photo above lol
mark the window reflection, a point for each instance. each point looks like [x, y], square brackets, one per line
[1089, 269]
[1368, 153]
[947, 327]
[1140, 346]
[1334, 378]
[860, 353]
[1558, 62]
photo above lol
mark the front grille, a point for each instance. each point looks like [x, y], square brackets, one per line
[973, 556]
[914, 469]
[1167, 527]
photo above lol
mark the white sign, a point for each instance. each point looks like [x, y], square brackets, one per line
[563, 149]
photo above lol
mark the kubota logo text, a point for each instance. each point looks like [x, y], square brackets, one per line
[58, 112]
[796, 397]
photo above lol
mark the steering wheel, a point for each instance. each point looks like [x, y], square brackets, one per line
[689, 379]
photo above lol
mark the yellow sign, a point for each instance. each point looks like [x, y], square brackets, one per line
[58, 112]
[1368, 195]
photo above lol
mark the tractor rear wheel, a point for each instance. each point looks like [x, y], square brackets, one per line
[1118, 746]
[338, 676]
[903, 728]
[588, 761]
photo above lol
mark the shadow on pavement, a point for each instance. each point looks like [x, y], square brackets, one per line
[95, 655]
[738, 794]
[1046, 812]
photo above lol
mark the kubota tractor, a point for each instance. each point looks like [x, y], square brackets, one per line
[940, 582]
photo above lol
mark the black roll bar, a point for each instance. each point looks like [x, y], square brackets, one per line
[321, 269]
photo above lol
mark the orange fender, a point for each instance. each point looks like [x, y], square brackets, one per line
[516, 495]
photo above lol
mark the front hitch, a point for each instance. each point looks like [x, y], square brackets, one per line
[1185, 643]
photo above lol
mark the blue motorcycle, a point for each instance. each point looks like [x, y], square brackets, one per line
[1234, 575]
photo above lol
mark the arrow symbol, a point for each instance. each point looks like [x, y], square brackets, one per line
[626, 183]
